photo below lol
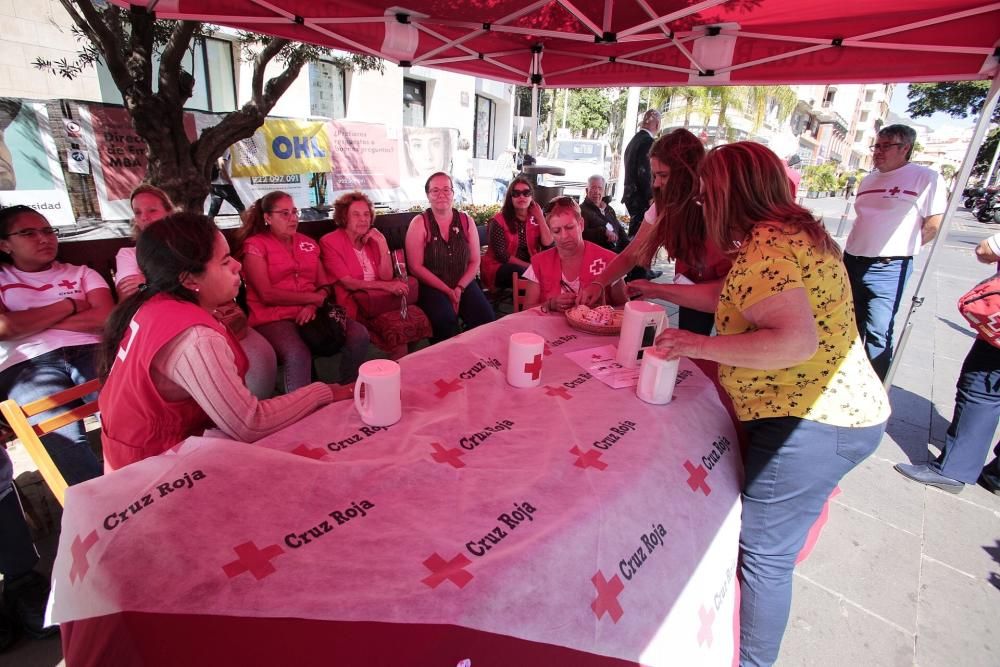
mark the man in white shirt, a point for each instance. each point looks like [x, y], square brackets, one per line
[899, 208]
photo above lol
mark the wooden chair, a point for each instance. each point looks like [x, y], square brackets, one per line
[17, 416]
[520, 292]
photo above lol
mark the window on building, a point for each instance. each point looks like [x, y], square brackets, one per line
[209, 60]
[414, 103]
[828, 96]
[869, 95]
[327, 96]
[863, 118]
[483, 133]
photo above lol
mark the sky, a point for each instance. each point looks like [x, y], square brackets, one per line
[938, 121]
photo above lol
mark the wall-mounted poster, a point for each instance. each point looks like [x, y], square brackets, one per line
[30, 173]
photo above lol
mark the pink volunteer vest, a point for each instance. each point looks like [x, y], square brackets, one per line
[136, 421]
[548, 270]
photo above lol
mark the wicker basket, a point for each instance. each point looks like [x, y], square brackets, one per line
[612, 329]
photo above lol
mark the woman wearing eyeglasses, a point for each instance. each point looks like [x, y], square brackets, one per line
[287, 289]
[442, 252]
[51, 318]
[516, 233]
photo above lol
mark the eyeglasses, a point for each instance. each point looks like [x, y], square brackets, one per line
[520, 193]
[884, 147]
[35, 233]
[285, 211]
[440, 191]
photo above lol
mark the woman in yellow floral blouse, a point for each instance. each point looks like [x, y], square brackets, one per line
[790, 358]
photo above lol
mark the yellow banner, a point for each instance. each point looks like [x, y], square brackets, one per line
[282, 147]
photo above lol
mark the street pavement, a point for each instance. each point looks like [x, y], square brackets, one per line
[902, 574]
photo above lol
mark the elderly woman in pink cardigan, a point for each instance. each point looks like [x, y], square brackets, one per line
[357, 258]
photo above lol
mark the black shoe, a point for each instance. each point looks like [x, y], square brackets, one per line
[24, 599]
[922, 473]
[7, 632]
[988, 485]
[653, 274]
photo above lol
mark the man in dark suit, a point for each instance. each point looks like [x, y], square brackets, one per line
[600, 224]
[638, 189]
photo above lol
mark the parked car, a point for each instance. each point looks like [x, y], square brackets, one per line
[581, 158]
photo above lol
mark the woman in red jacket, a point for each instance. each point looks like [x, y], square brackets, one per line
[516, 233]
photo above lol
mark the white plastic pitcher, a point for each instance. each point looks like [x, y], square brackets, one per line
[657, 377]
[377, 392]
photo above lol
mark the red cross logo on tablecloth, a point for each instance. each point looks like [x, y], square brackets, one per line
[534, 367]
[589, 459]
[309, 452]
[453, 570]
[596, 357]
[68, 284]
[607, 596]
[79, 550]
[445, 387]
[696, 479]
[707, 617]
[253, 560]
[451, 456]
[894, 191]
[561, 392]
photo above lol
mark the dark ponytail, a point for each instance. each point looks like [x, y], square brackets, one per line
[180, 244]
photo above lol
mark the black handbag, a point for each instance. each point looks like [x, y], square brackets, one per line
[326, 333]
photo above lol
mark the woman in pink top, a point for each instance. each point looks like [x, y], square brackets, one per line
[171, 368]
[358, 258]
[286, 285]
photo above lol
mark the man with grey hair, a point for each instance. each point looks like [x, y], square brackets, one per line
[638, 191]
[899, 207]
[600, 223]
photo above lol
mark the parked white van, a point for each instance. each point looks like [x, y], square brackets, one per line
[581, 158]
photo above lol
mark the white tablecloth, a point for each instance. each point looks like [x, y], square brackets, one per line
[571, 514]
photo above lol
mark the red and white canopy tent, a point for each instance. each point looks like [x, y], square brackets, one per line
[598, 43]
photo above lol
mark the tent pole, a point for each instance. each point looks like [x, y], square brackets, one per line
[970, 158]
[533, 140]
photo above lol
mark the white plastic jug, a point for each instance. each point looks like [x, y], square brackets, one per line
[657, 377]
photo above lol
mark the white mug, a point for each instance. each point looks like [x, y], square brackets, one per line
[524, 360]
[377, 393]
[657, 377]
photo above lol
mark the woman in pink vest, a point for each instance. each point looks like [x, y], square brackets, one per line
[172, 370]
[358, 258]
[151, 204]
[555, 275]
[287, 289]
[516, 233]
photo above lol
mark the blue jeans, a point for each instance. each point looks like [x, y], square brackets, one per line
[792, 465]
[297, 360]
[977, 411]
[878, 290]
[473, 308]
[17, 551]
[47, 374]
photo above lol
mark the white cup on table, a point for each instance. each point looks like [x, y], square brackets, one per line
[524, 360]
[657, 377]
[377, 392]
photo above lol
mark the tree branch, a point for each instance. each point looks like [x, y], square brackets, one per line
[170, 61]
[93, 25]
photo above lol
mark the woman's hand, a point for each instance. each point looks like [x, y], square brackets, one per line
[645, 289]
[563, 302]
[456, 297]
[675, 343]
[305, 314]
[378, 237]
[128, 286]
[81, 305]
[590, 294]
[342, 392]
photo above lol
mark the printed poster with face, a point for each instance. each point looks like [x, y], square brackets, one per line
[30, 173]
